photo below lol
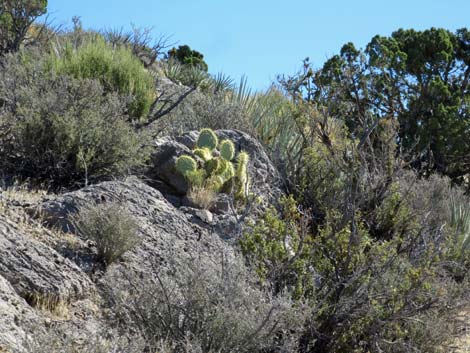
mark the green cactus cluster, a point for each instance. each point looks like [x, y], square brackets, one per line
[215, 165]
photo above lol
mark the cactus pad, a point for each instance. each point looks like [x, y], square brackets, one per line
[185, 164]
[207, 139]
[204, 153]
[227, 150]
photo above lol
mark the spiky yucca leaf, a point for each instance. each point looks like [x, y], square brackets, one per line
[460, 221]
[221, 83]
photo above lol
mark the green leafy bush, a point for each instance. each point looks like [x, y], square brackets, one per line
[110, 227]
[279, 249]
[364, 293]
[188, 57]
[61, 131]
[116, 68]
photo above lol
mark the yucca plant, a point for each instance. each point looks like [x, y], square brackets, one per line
[459, 219]
[458, 249]
[221, 83]
[190, 76]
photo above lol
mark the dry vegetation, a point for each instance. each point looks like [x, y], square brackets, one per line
[369, 250]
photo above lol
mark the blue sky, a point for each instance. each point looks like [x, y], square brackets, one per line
[264, 38]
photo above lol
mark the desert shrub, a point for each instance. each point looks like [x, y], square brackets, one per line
[371, 254]
[278, 248]
[62, 131]
[440, 212]
[116, 68]
[216, 308]
[366, 294]
[110, 227]
[210, 106]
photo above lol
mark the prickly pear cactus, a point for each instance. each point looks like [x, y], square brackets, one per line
[196, 177]
[242, 175]
[227, 150]
[226, 171]
[186, 164]
[207, 139]
[216, 171]
[203, 153]
[212, 166]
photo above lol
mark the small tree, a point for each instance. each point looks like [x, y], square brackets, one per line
[186, 56]
[16, 17]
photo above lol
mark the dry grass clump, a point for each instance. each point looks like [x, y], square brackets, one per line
[202, 197]
[110, 227]
[49, 304]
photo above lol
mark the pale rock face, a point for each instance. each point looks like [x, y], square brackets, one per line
[33, 268]
[16, 316]
[205, 215]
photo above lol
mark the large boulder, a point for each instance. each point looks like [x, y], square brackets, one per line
[37, 272]
[167, 235]
[163, 174]
[16, 318]
[265, 180]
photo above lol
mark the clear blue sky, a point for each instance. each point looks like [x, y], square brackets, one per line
[261, 38]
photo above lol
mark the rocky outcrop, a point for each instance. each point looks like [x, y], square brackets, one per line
[163, 174]
[34, 277]
[264, 178]
[166, 233]
[37, 272]
[16, 318]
